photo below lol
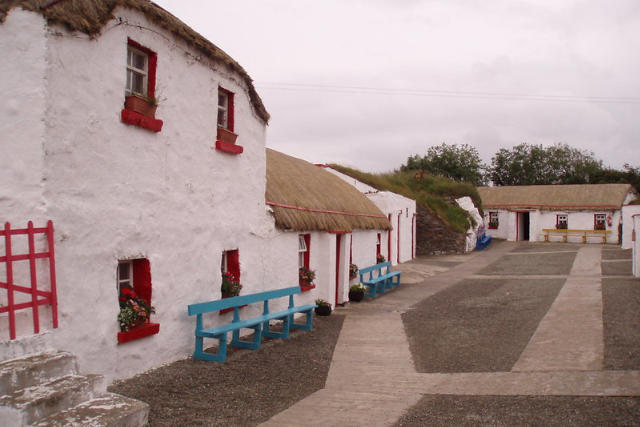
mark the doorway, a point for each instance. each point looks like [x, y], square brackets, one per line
[523, 226]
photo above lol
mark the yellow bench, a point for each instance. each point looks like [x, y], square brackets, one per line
[584, 233]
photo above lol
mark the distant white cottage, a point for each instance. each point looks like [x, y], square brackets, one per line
[575, 213]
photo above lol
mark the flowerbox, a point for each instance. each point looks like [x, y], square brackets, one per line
[140, 105]
[144, 330]
[225, 135]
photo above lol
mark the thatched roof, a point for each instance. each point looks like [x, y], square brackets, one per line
[305, 197]
[90, 16]
[555, 197]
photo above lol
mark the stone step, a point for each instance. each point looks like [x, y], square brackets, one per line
[28, 371]
[31, 404]
[111, 410]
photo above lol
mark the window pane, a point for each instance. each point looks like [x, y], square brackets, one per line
[222, 100]
[302, 246]
[129, 73]
[123, 271]
[137, 83]
[222, 118]
[139, 61]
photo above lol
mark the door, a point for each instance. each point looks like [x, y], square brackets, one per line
[523, 226]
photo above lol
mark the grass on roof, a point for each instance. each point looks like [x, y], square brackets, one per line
[431, 192]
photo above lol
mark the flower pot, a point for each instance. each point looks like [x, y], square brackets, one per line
[140, 105]
[323, 310]
[225, 135]
[356, 296]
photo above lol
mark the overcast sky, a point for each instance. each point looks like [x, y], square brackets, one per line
[367, 83]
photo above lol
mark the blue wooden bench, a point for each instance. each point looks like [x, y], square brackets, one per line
[259, 324]
[483, 241]
[379, 278]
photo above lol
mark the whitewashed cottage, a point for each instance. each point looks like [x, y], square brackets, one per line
[589, 213]
[328, 222]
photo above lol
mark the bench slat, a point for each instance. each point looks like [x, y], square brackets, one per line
[206, 307]
[248, 323]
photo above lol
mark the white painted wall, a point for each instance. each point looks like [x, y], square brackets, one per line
[628, 212]
[402, 211]
[116, 191]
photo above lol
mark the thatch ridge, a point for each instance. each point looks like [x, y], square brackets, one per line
[554, 197]
[305, 197]
[90, 16]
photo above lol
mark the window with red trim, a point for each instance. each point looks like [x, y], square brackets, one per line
[140, 101]
[304, 246]
[493, 220]
[379, 245]
[230, 269]
[599, 222]
[134, 297]
[562, 222]
[225, 137]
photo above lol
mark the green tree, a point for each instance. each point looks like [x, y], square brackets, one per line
[527, 164]
[457, 162]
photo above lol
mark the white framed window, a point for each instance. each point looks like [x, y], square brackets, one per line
[562, 221]
[223, 109]
[302, 250]
[137, 72]
[125, 275]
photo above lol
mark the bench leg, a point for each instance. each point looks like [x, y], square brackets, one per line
[266, 332]
[380, 286]
[251, 345]
[304, 326]
[221, 356]
[371, 291]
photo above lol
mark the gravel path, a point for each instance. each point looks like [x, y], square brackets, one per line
[523, 411]
[247, 390]
[477, 325]
[621, 308]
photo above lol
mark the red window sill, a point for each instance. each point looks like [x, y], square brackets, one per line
[228, 147]
[132, 118]
[144, 330]
[306, 288]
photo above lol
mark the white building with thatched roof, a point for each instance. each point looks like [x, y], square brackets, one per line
[156, 200]
[528, 212]
[327, 222]
[397, 245]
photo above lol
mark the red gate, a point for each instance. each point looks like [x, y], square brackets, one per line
[38, 296]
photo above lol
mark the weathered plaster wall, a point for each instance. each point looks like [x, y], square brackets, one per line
[627, 224]
[22, 84]
[117, 192]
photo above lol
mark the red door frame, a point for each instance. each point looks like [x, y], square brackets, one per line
[389, 241]
[338, 241]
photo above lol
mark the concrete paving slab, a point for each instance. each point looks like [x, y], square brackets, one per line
[570, 336]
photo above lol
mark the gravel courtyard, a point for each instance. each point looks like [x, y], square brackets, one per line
[481, 323]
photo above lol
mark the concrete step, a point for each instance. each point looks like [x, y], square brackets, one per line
[31, 404]
[111, 410]
[28, 371]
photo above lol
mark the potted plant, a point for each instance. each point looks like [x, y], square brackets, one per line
[225, 135]
[353, 271]
[144, 105]
[323, 308]
[599, 226]
[356, 292]
[230, 286]
[134, 311]
[380, 259]
[306, 277]
[493, 224]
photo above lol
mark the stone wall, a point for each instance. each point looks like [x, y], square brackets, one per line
[434, 236]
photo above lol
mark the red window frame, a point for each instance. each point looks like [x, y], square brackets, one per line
[225, 136]
[141, 278]
[493, 219]
[600, 221]
[307, 261]
[139, 112]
